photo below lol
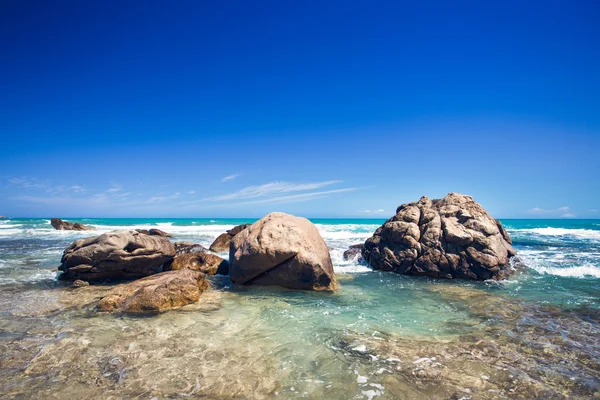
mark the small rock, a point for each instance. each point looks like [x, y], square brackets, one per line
[77, 283]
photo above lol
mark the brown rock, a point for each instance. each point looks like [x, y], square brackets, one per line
[453, 237]
[157, 293]
[353, 251]
[281, 249]
[222, 242]
[206, 263]
[79, 283]
[117, 255]
[155, 232]
[61, 225]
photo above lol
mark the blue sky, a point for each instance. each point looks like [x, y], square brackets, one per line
[322, 109]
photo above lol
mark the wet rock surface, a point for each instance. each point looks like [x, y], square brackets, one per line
[61, 225]
[188, 248]
[221, 243]
[156, 232]
[156, 293]
[354, 252]
[453, 237]
[283, 250]
[116, 255]
[209, 264]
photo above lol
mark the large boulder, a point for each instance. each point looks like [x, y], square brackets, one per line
[116, 255]
[156, 293]
[453, 237]
[222, 241]
[284, 250]
[207, 263]
[61, 225]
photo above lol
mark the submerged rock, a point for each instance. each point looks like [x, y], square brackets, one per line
[61, 225]
[156, 232]
[353, 252]
[118, 255]
[207, 263]
[188, 248]
[453, 237]
[284, 250]
[222, 242]
[79, 283]
[157, 293]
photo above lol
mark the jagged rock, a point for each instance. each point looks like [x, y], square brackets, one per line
[353, 251]
[156, 232]
[222, 242]
[61, 225]
[156, 293]
[116, 255]
[188, 248]
[207, 263]
[281, 249]
[453, 237]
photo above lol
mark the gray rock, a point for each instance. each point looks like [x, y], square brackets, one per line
[188, 248]
[353, 252]
[453, 237]
[116, 255]
[284, 250]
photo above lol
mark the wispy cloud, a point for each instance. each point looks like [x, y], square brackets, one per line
[593, 210]
[563, 212]
[230, 177]
[373, 211]
[270, 189]
[27, 183]
[160, 198]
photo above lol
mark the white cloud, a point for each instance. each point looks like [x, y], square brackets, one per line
[593, 210]
[192, 192]
[27, 183]
[230, 177]
[160, 198]
[563, 212]
[373, 211]
[271, 188]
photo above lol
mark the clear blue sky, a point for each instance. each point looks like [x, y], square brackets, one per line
[319, 108]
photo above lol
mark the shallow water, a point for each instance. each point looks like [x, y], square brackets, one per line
[379, 336]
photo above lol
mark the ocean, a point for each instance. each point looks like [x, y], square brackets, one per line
[380, 335]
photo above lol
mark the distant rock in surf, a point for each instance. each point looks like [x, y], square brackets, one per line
[284, 250]
[61, 225]
[155, 232]
[453, 237]
[3, 217]
[222, 242]
[353, 252]
[157, 293]
[116, 255]
[207, 263]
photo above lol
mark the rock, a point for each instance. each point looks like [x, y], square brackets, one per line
[188, 248]
[3, 217]
[353, 252]
[281, 249]
[61, 225]
[156, 293]
[453, 237]
[79, 283]
[116, 255]
[206, 263]
[221, 243]
[155, 232]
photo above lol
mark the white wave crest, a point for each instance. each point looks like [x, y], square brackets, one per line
[576, 233]
[583, 271]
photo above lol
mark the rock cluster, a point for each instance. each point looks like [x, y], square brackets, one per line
[206, 263]
[222, 242]
[284, 250]
[116, 255]
[61, 225]
[453, 237]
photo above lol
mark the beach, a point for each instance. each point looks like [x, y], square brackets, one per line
[379, 335]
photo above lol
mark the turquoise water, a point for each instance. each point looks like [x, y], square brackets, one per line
[379, 336]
